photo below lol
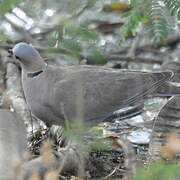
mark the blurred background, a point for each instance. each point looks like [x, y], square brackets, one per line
[95, 31]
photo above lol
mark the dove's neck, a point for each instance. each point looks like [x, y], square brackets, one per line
[34, 66]
[35, 74]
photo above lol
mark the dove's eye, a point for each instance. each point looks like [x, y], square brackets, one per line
[10, 51]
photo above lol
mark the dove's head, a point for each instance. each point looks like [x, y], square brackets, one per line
[29, 57]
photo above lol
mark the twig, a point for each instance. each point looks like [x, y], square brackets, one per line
[135, 44]
[67, 123]
[109, 175]
[59, 22]
[174, 39]
[170, 41]
[115, 57]
[65, 157]
[27, 36]
[130, 160]
[79, 155]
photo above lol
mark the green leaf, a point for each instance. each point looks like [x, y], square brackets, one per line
[158, 25]
[80, 33]
[7, 5]
[135, 16]
[76, 130]
[70, 58]
[4, 37]
[126, 14]
[72, 45]
[99, 145]
[173, 6]
[158, 171]
[95, 57]
[91, 3]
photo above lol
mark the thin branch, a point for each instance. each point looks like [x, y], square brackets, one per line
[132, 51]
[116, 57]
[174, 39]
[27, 36]
[59, 22]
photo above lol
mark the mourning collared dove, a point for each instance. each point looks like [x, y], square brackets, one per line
[12, 143]
[55, 92]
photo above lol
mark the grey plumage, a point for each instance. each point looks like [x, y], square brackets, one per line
[168, 89]
[172, 66]
[12, 143]
[96, 90]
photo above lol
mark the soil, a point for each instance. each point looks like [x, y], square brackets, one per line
[106, 163]
[102, 164]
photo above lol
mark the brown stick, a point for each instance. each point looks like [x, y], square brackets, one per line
[26, 35]
[115, 57]
[170, 41]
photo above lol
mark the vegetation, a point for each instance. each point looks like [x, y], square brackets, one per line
[158, 171]
[71, 20]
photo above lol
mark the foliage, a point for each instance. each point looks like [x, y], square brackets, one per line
[173, 6]
[80, 33]
[79, 42]
[7, 5]
[158, 23]
[79, 131]
[95, 56]
[158, 171]
[154, 14]
[137, 14]
[3, 36]
[75, 130]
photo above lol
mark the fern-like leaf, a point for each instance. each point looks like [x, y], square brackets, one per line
[157, 15]
[173, 6]
[134, 17]
[158, 22]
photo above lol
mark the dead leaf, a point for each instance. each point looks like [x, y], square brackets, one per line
[52, 175]
[120, 7]
[172, 147]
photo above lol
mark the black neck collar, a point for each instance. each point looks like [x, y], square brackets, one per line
[34, 74]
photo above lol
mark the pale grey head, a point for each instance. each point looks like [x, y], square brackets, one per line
[29, 57]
